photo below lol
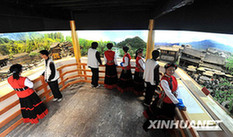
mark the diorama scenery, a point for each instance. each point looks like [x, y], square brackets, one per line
[206, 57]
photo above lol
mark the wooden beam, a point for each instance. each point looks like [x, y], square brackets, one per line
[75, 41]
[150, 40]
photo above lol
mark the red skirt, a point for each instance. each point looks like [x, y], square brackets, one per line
[32, 109]
[138, 83]
[125, 82]
[110, 80]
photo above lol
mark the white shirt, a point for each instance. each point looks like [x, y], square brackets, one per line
[91, 58]
[142, 63]
[115, 60]
[168, 92]
[148, 74]
[48, 71]
[28, 83]
[126, 62]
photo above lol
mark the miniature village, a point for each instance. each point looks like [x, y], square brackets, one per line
[207, 68]
[32, 60]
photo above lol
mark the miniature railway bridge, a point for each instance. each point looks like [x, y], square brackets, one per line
[100, 112]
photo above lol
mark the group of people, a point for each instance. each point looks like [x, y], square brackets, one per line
[163, 107]
[32, 108]
[146, 73]
[125, 82]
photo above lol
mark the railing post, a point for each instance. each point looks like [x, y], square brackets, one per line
[84, 71]
[45, 89]
[62, 78]
[76, 47]
[150, 40]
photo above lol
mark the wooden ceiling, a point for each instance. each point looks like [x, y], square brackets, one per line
[39, 15]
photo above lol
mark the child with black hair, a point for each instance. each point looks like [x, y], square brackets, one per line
[32, 108]
[110, 80]
[93, 59]
[51, 75]
[125, 80]
[138, 75]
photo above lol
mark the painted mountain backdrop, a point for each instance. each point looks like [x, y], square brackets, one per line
[203, 45]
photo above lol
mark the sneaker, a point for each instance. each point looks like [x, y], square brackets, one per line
[97, 86]
[59, 100]
[55, 99]
[92, 86]
[145, 104]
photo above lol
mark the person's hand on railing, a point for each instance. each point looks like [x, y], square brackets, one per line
[121, 64]
[181, 105]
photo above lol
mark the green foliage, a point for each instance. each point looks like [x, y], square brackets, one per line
[29, 42]
[86, 44]
[4, 40]
[3, 50]
[133, 44]
[225, 95]
[34, 54]
[229, 64]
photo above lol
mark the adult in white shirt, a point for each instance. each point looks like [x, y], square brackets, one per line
[93, 62]
[151, 77]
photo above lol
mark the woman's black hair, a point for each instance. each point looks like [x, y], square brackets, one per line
[16, 69]
[109, 45]
[125, 48]
[155, 54]
[170, 65]
[94, 45]
[138, 51]
[44, 52]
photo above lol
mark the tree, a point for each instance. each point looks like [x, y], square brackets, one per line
[133, 44]
[229, 64]
[4, 40]
[3, 50]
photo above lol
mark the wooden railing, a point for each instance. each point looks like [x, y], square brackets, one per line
[65, 81]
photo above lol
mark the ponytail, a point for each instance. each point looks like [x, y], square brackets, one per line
[136, 54]
[15, 75]
[16, 69]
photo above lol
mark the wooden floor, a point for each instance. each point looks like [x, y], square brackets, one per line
[90, 112]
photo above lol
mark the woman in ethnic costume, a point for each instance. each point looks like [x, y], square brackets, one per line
[164, 107]
[125, 81]
[138, 75]
[32, 108]
[110, 80]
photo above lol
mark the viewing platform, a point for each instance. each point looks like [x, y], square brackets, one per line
[87, 111]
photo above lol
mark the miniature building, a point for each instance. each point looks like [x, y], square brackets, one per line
[169, 53]
[55, 50]
[191, 56]
[215, 62]
[3, 60]
[66, 49]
